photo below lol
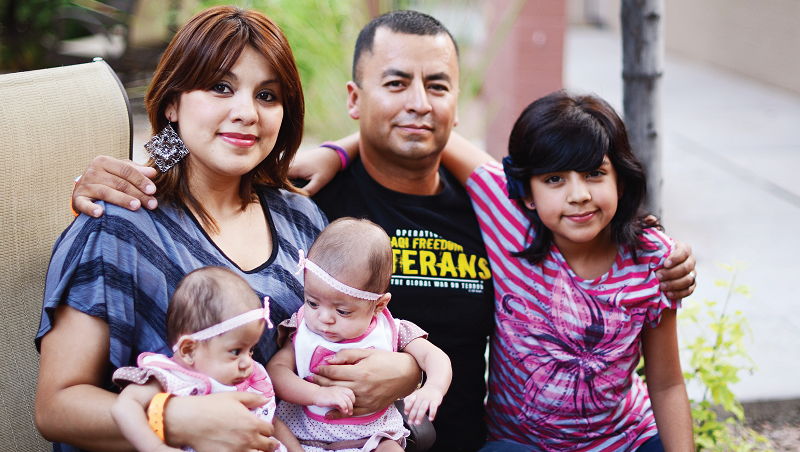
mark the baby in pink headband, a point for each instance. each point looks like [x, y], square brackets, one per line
[214, 321]
[347, 274]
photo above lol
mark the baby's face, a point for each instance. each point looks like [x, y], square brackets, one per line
[228, 358]
[332, 314]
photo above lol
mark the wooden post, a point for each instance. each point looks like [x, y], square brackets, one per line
[642, 63]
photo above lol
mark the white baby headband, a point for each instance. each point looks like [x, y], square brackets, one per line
[333, 282]
[232, 323]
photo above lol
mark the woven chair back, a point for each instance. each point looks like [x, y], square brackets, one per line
[52, 123]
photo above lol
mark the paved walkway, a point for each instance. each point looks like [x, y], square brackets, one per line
[731, 190]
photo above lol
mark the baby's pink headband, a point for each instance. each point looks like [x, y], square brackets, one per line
[232, 323]
[333, 282]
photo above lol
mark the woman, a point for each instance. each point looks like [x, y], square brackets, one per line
[228, 85]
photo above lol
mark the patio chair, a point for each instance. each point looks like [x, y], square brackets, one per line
[53, 122]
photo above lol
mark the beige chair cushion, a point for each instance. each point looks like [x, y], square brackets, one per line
[52, 123]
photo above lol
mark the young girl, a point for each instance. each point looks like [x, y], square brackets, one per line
[347, 272]
[214, 322]
[577, 299]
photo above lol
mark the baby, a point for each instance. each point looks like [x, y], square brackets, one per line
[347, 273]
[214, 321]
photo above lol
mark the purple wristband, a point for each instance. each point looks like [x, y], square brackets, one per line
[339, 150]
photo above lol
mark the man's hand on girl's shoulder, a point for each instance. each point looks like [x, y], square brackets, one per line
[678, 277]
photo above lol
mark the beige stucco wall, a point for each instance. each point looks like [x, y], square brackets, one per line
[755, 38]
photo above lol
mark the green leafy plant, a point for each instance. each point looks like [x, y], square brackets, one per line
[715, 361]
[25, 27]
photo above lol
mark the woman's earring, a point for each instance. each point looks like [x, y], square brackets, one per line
[166, 148]
[533, 206]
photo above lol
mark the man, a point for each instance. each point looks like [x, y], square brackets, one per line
[404, 93]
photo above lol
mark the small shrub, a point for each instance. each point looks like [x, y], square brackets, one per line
[715, 361]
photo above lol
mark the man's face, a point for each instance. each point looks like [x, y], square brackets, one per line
[406, 99]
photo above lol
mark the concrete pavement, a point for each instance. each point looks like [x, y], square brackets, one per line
[731, 190]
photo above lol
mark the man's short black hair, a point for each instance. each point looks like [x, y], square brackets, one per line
[406, 22]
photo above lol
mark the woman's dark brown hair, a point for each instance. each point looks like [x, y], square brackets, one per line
[199, 56]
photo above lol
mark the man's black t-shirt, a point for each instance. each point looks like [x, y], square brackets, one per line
[441, 282]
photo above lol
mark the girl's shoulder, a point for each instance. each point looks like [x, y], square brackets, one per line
[657, 239]
[489, 170]
[488, 184]
[502, 220]
[656, 246]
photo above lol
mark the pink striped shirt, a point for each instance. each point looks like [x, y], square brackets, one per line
[564, 353]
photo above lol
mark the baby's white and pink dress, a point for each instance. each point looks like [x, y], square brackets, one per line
[180, 381]
[308, 423]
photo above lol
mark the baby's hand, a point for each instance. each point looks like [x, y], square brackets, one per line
[421, 401]
[336, 397]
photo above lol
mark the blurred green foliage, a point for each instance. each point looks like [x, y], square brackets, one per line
[26, 29]
[714, 363]
[322, 34]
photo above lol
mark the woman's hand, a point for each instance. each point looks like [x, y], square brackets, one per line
[119, 182]
[377, 377]
[218, 422]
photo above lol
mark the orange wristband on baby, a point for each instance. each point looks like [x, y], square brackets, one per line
[155, 413]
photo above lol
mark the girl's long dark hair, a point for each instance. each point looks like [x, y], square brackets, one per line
[565, 132]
